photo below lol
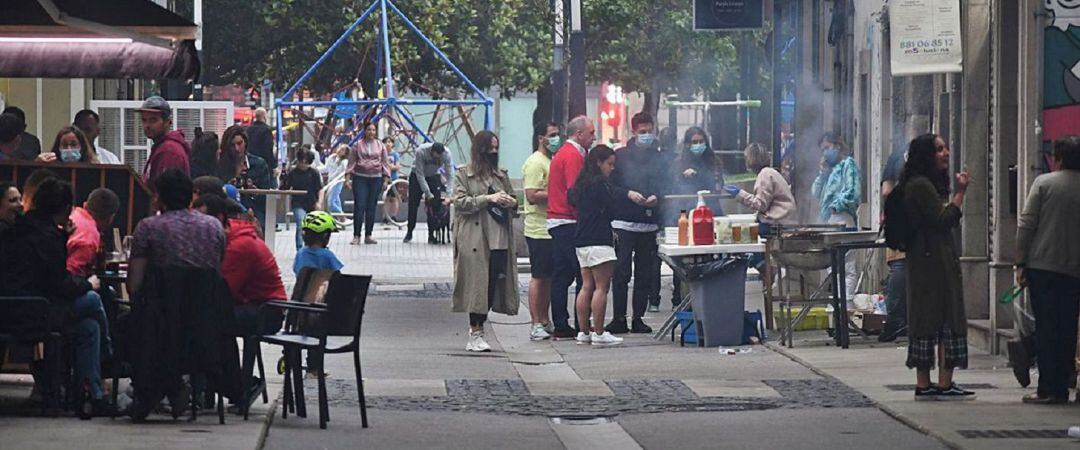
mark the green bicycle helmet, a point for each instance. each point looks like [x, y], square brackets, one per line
[319, 222]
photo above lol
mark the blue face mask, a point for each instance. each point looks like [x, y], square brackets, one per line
[832, 156]
[697, 149]
[70, 154]
[553, 143]
[646, 139]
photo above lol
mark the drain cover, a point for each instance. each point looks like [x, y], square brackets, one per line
[1014, 434]
[580, 420]
[911, 387]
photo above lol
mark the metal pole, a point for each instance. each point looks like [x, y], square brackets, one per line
[280, 131]
[577, 101]
[558, 72]
[386, 51]
[408, 118]
[436, 50]
[197, 88]
[341, 39]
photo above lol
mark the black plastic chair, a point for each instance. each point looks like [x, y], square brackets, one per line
[307, 326]
[25, 321]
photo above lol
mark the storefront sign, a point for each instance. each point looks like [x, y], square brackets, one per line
[711, 15]
[924, 36]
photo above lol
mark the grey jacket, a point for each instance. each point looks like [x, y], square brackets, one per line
[426, 164]
[1046, 235]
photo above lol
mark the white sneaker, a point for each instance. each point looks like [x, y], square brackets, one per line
[605, 339]
[538, 333]
[476, 342]
[583, 338]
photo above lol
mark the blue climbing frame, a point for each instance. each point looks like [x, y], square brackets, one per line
[391, 102]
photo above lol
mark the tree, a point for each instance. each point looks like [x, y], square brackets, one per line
[500, 44]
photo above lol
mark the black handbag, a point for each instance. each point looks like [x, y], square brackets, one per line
[500, 214]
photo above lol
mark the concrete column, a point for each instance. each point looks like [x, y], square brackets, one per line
[974, 153]
[810, 121]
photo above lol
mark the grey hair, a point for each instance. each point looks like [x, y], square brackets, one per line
[260, 114]
[577, 124]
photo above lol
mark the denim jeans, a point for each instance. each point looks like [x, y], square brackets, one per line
[86, 333]
[896, 294]
[637, 258]
[365, 201]
[298, 214]
[334, 202]
[851, 276]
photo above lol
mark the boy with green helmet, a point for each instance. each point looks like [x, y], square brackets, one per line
[316, 228]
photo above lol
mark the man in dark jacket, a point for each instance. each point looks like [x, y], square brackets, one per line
[29, 148]
[261, 141]
[170, 150]
[641, 167]
[34, 261]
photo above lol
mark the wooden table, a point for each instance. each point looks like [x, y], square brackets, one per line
[270, 222]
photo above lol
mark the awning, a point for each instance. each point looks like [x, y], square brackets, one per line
[98, 39]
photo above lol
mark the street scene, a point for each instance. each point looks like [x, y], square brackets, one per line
[539, 224]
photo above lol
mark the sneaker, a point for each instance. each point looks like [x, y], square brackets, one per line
[549, 327]
[584, 338]
[563, 333]
[605, 339]
[538, 333]
[1036, 399]
[368, 240]
[355, 241]
[927, 393]
[638, 326]
[476, 342]
[954, 392]
[654, 308]
[617, 326]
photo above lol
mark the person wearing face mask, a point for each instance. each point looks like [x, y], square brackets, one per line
[535, 174]
[640, 167]
[696, 168]
[71, 145]
[485, 263]
[425, 182]
[837, 187]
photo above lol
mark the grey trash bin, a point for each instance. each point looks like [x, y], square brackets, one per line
[718, 293]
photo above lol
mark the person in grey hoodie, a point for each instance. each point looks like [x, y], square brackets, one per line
[1048, 251]
[425, 181]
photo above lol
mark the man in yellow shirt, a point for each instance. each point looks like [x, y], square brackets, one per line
[547, 139]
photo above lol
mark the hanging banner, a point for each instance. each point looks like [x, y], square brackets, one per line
[924, 36]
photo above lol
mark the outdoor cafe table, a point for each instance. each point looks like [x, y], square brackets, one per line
[678, 256]
[270, 222]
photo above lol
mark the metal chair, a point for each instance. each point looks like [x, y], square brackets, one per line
[307, 326]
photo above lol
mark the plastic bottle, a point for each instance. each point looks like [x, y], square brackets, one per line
[684, 229]
[701, 222]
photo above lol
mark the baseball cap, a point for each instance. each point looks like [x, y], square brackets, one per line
[157, 104]
[234, 195]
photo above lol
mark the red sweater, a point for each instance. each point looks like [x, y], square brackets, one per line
[565, 167]
[249, 268]
[171, 153]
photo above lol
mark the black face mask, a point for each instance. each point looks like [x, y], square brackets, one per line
[492, 159]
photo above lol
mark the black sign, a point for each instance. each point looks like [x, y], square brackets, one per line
[728, 14]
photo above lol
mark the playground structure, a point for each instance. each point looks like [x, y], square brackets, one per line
[449, 117]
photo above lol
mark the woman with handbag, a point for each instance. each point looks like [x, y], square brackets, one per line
[484, 257]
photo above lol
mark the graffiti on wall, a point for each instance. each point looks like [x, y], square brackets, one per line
[1061, 70]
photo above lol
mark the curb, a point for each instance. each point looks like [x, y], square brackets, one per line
[880, 406]
[267, 422]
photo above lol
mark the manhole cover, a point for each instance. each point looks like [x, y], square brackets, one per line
[1014, 434]
[580, 420]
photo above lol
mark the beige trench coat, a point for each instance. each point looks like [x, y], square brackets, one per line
[470, 224]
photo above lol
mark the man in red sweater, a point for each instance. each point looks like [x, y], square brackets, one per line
[170, 150]
[562, 219]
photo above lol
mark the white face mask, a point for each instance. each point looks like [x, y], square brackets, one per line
[70, 154]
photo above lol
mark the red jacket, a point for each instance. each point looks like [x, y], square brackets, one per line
[565, 167]
[249, 267]
[171, 153]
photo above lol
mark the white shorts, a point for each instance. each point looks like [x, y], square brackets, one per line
[595, 255]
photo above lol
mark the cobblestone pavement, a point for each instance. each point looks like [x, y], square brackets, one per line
[511, 396]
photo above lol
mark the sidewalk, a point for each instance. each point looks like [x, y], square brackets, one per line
[995, 420]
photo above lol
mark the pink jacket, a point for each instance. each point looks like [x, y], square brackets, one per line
[771, 199]
[369, 159]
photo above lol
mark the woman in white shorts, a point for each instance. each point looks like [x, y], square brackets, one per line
[593, 196]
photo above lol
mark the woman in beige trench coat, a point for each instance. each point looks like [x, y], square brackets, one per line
[485, 272]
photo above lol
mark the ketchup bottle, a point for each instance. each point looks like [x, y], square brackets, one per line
[701, 222]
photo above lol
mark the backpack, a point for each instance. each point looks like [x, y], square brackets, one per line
[898, 231]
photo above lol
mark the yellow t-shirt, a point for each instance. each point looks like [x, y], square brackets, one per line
[535, 174]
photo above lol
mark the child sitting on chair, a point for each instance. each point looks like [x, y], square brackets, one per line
[316, 228]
